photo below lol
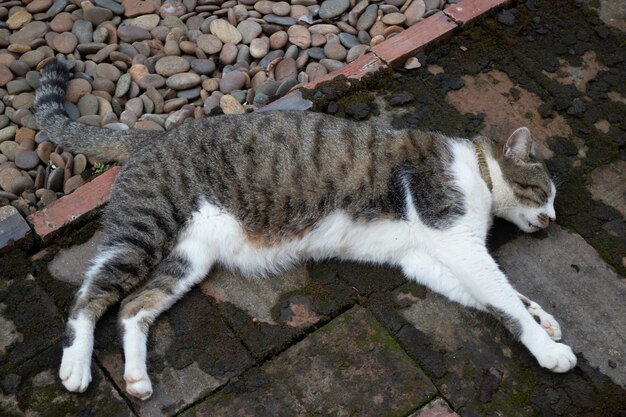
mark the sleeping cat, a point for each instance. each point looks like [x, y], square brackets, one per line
[258, 193]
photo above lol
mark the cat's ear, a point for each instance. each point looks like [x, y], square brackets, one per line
[519, 145]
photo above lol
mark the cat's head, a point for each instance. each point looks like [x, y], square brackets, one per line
[525, 193]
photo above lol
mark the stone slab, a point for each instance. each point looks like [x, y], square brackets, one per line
[191, 352]
[467, 11]
[480, 369]
[34, 389]
[70, 264]
[29, 320]
[351, 366]
[73, 207]
[267, 313]
[13, 228]
[396, 50]
[608, 183]
[565, 275]
[436, 408]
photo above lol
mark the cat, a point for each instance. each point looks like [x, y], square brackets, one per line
[260, 192]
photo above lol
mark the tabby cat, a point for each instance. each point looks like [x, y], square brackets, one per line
[258, 193]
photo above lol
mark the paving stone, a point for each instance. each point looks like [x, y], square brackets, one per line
[34, 389]
[565, 275]
[608, 185]
[70, 264]
[479, 367]
[349, 367]
[435, 408]
[191, 352]
[13, 228]
[267, 313]
[29, 319]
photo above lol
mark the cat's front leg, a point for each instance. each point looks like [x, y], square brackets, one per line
[475, 268]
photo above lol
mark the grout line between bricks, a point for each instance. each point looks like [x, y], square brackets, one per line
[111, 381]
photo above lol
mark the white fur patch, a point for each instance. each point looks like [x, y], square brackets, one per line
[75, 370]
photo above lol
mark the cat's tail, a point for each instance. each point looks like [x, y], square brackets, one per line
[105, 144]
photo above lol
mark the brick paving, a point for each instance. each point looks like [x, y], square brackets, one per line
[332, 339]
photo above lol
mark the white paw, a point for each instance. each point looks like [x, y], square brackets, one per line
[75, 370]
[138, 383]
[546, 320]
[556, 357]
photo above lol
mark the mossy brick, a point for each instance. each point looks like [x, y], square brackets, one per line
[29, 319]
[351, 366]
[34, 389]
[191, 352]
[268, 313]
[478, 366]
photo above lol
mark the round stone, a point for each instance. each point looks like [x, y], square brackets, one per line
[183, 81]
[7, 133]
[61, 23]
[249, 30]
[203, 66]
[108, 71]
[356, 51]
[281, 8]
[234, 80]
[39, 6]
[7, 176]
[21, 184]
[333, 48]
[259, 47]
[123, 85]
[394, 19]
[65, 42]
[226, 32]
[147, 22]
[88, 105]
[132, 34]
[18, 19]
[210, 44]
[414, 12]
[299, 36]
[333, 8]
[27, 160]
[97, 15]
[367, 19]
[55, 180]
[230, 105]
[278, 40]
[170, 65]
[228, 53]
[73, 183]
[80, 164]
[285, 69]
[348, 40]
[44, 149]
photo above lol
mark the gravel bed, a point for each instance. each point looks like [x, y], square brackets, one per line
[152, 64]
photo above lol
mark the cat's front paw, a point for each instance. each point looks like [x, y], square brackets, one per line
[75, 370]
[546, 320]
[138, 383]
[556, 357]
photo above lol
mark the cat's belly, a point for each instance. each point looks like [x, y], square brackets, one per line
[216, 234]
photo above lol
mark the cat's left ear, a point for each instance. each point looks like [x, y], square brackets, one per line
[519, 145]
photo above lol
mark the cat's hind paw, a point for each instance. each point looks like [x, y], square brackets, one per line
[75, 370]
[138, 384]
[556, 357]
[546, 320]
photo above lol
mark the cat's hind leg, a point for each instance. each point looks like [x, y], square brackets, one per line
[547, 321]
[113, 273]
[179, 271]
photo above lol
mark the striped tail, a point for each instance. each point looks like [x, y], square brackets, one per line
[105, 144]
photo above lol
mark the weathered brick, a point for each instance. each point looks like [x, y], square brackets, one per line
[397, 49]
[467, 11]
[73, 207]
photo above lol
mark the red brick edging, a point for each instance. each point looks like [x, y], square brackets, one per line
[72, 207]
[390, 53]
